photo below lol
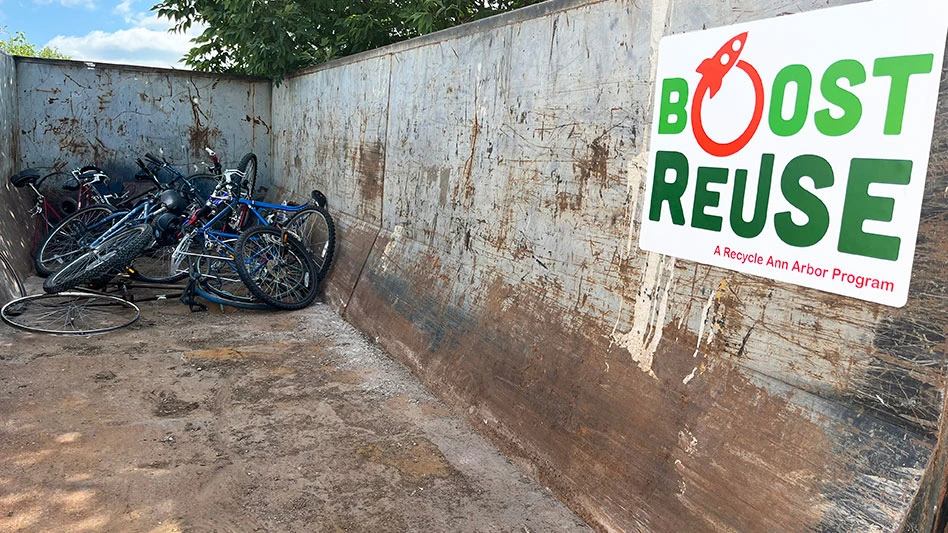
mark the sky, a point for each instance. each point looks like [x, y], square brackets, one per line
[108, 31]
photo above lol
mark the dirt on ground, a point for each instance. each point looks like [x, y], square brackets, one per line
[242, 421]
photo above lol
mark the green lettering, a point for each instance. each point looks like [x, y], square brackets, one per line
[676, 109]
[810, 233]
[751, 229]
[801, 77]
[671, 192]
[860, 206]
[853, 72]
[900, 69]
[705, 198]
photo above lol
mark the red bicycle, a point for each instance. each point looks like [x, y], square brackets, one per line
[91, 185]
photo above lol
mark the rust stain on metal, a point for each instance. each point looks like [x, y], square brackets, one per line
[200, 135]
[104, 99]
[467, 184]
[258, 121]
[583, 409]
[370, 159]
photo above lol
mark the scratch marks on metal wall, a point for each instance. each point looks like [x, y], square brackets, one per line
[14, 203]
[73, 114]
[329, 133]
[652, 394]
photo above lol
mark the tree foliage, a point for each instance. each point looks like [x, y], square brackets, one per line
[275, 37]
[17, 45]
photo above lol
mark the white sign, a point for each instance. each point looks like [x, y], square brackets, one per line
[796, 148]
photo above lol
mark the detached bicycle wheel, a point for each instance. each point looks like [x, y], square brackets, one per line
[314, 227]
[276, 267]
[69, 313]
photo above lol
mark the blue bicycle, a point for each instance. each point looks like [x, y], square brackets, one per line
[255, 255]
[117, 239]
[72, 236]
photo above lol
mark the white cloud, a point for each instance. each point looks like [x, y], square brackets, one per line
[139, 19]
[124, 9]
[148, 43]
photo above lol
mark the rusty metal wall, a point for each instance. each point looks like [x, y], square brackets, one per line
[486, 183]
[74, 113]
[331, 138]
[14, 203]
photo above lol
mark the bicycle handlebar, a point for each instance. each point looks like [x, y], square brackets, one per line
[155, 160]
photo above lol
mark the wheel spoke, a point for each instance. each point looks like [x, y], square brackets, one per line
[69, 313]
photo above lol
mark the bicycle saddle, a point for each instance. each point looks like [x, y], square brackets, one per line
[87, 174]
[24, 177]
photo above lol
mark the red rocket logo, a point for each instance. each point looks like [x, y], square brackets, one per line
[713, 71]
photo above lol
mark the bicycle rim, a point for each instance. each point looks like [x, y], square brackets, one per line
[102, 262]
[276, 268]
[71, 237]
[248, 167]
[314, 227]
[69, 313]
[156, 265]
[219, 277]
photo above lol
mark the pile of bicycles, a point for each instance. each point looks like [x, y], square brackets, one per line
[206, 229]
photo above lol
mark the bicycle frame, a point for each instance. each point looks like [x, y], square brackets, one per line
[43, 214]
[116, 222]
[222, 240]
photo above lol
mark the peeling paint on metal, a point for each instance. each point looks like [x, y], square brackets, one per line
[648, 313]
[706, 318]
[690, 376]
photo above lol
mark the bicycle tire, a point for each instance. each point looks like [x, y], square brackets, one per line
[219, 277]
[63, 203]
[203, 290]
[203, 184]
[276, 268]
[10, 278]
[248, 167]
[102, 262]
[70, 238]
[314, 227]
[69, 313]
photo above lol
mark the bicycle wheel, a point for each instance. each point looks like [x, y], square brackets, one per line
[72, 237]
[102, 262]
[69, 313]
[219, 277]
[314, 227]
[248, 167]
[202, 185]
[276, 267]
[156, 265]
[206, 289]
